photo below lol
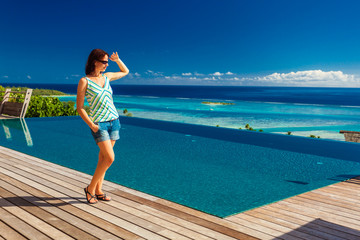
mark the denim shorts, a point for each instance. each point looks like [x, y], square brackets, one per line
[109, 130]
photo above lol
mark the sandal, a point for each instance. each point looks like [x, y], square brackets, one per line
[86, 195]
[102, 197]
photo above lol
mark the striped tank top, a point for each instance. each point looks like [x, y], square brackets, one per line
[100, 100]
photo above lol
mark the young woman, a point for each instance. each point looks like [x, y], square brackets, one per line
[103, 119]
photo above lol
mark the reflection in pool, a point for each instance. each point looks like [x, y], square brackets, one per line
[12, 127]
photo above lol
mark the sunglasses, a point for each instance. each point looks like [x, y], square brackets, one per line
[103, 62]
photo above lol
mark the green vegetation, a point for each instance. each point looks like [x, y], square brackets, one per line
[50, 107]
[247, 127]
[14, 97]
[47, 92]
[218, 103]
[40, 106]
[128, 114]
[289, 133]
[313, 136]
[36, 91]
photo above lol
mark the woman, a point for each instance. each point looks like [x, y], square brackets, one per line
[103, 119]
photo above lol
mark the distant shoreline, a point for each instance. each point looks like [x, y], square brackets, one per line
[67, 95]
[217, 103]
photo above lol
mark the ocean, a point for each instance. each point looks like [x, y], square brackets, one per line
[302, 111]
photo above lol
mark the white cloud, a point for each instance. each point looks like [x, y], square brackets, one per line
[311, 78]
[217, 74]
[154, 74]
[186, 74]
[137, 74]
[28, 76]
[5, 76]
[212, 78]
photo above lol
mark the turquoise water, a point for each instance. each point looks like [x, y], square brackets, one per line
[276, 117]
[216, 170]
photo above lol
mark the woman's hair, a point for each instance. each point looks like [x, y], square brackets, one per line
[96, 54]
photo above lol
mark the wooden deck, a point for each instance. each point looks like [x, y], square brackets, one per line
[42, 200]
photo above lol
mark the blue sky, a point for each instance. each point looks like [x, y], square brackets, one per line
[229, 42]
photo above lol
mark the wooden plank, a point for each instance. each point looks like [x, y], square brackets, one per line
[7, 117]
[197, 231]
[350, 183]
[12, 108]
[210, 218]
[33, 220]
[345, 190]
[21, 226]
[350, 215]
[334, 195]
[286, 211]
[271, 228]
[311, 227]
[201, 215]
[12, 105]
[70, 196]
[344, 206]
[133, 211]
[344, 186]
[185, 213]
[258, 227]
[314, 223]
[295, 229]
[38, 212]
[9, 233]
[73, 215]
[349, 198]
[188, 217]
[312, 212]
[142, 222]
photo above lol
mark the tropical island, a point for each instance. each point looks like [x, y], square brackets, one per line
[218, 103]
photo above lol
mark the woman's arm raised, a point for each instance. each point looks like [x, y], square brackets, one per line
[117, 75]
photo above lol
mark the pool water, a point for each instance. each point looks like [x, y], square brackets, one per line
[215, 170]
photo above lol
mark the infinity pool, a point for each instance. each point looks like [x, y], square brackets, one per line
[215, 170]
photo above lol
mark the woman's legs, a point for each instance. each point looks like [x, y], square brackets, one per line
[98, 188]
[106, 158]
